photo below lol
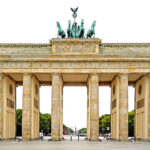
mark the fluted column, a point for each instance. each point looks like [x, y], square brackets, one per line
[56, 107]
[26, 109]
[119, 107]
[94, 107]
[142, 108]
[1, 106]
[123, 106]
[88, 111]
[61, 110]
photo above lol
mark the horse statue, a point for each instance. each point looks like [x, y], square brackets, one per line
[75, 30]
[81, 30]
[61, 33]
[91, 32]
[69, 31]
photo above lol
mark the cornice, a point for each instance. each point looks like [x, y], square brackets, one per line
[40, 45]
[75, 41]
[109, 45]
[23, 45]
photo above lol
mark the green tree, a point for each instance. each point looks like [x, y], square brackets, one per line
[82, 131]
[45, 123]
[19, 122]
[131, 123]
[67, 130]
[104, 122]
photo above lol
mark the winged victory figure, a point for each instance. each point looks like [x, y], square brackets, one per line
[74, 10]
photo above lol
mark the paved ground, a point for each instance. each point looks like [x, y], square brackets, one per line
[73, 145]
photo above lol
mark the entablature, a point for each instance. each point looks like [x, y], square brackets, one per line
[64, 47]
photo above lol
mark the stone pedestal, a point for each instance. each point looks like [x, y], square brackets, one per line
[30, 114]
[93, 108]
[56, 120]
[119, 108]
[142, 108]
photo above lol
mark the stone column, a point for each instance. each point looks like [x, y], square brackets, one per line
[61, 110]
[142, 108]
[148, 109]
[26, 108]
[35, 108]
[94, 106]
[135, 119]
[88, 110]
[7, 107]
[119, 107]
[115, 108]
[56, 105]
[123, 107]
[1, 106]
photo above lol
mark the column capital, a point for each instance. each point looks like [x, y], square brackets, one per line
[92, 74]
[27, 74]
[148, 75]
[123, 74]
[57, 74]
[90, 77]
[1, 75]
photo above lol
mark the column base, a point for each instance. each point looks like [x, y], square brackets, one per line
[142, 140]
[7, 139]
[55, 139]
[119, 140]
[93, 139]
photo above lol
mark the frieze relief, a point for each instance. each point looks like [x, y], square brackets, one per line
[75, 46]
[82, 65]
[92, 49]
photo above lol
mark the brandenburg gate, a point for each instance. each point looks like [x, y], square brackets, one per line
[75, 61]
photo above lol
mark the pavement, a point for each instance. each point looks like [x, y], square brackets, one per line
[66, 144]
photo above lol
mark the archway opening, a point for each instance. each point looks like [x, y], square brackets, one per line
[74, 112]
[104, 111]
[19, 92]
[45, 112]
[131, 112]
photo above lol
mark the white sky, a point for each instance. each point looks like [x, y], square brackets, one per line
[34, 21]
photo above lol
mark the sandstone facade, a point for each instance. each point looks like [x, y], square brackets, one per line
[75, 62]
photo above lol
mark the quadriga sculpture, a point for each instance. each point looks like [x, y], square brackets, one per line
[69, 31]
[91, 32]
[81, 31]
[61, 33]
[74, 30]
